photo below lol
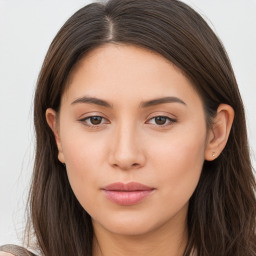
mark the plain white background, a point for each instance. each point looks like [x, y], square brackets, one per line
[26, 30]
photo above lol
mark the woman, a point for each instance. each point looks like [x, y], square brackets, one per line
[141, 138]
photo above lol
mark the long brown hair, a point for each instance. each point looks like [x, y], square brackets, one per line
[222, 210]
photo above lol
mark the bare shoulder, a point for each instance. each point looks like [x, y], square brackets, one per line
[6, 254]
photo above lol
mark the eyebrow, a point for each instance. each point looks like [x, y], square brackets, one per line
[92, 100]
[145, 104]
[162, 101]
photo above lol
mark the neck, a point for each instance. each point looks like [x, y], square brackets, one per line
[164, 242]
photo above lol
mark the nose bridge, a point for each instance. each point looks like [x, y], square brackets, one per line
[126, 148]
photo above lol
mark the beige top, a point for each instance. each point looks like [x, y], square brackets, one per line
[16, 250]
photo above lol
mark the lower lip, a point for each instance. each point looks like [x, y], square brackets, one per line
[127, 197]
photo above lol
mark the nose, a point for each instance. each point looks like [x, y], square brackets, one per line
[127, 149]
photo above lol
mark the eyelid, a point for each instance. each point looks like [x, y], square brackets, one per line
[163, 114]
[90, 115]
[172, 119]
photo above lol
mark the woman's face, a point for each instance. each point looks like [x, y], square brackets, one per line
[132, 133]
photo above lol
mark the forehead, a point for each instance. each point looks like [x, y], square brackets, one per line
[126, 71]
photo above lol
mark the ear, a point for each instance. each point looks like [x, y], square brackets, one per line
[51, 118]
[219, 132]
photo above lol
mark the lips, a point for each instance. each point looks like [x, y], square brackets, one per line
[127, 194]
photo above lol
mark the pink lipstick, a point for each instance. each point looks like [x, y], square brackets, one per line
[127, 194]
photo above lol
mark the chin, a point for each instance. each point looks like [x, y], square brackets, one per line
[130, 224]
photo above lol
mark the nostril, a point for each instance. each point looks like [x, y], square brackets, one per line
[126, 166]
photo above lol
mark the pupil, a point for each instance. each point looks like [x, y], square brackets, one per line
[160, 120]
[96, 120]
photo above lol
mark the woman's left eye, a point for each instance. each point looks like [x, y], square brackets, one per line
[161, 120]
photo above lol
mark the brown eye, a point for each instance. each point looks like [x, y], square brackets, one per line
[160, 120]
[95, 120]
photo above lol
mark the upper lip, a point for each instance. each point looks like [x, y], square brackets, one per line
[131, 186]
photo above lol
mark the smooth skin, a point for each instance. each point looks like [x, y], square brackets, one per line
[112, 127]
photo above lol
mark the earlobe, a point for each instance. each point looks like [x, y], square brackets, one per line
[51, 118]
[219, 132]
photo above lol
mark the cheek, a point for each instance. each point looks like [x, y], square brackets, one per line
[83, 171]
[82, 150]
[83, 158]
[179, 163]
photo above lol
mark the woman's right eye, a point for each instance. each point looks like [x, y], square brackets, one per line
[94, 121]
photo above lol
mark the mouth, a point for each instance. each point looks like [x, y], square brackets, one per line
[127, 194]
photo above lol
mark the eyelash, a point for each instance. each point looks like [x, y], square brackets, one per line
[90, 125]
[167, 119]
[89, 118]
